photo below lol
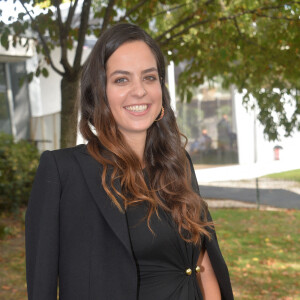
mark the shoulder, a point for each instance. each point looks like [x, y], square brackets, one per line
[194, 180]
[65, 161]
[188, 157]
[189, 163]
[63, 156]
[68, 153]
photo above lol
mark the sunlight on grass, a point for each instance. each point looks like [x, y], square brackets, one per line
[261, 248]
[293, 175]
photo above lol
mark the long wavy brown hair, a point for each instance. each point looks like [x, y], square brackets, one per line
[167, 166]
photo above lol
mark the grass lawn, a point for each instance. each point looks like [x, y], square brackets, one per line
[262, 250]
[293, 175]
[12, 260]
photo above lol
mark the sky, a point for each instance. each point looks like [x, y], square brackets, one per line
[7, 8]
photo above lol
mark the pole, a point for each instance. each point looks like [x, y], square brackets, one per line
[255, 161]
[171, 83]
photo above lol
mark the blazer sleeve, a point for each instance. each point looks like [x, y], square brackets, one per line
[213, 249]
[42, 231]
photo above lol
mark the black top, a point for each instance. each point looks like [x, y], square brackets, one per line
[162, 257]
[75, 233]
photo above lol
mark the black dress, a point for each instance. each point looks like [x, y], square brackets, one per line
[162, 258]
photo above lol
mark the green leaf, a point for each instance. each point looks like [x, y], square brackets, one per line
[45, 72]
[30, 76]
[4, 40]
[250, 44]
[37, 72]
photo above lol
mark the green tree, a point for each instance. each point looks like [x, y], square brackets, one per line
[253, 44]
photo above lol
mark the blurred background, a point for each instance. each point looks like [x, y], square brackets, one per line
[234, 81]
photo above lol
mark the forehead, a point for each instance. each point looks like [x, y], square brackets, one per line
[132, 55]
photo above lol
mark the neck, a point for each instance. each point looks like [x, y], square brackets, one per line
[137, 143]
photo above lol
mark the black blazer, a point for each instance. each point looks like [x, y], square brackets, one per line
[74, 232]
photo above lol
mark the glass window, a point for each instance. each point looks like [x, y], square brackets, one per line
[209, 123]
[5, 125]
[20, 99]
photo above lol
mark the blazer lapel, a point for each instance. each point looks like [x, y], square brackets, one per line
[92, 171]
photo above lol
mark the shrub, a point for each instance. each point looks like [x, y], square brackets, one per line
[4, 231]
[18, 164]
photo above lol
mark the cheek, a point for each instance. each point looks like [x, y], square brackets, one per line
[115, 98]
[159, 97]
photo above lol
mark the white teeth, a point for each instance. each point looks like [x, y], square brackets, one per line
[137, 108]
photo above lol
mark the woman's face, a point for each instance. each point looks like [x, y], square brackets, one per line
[133, 88]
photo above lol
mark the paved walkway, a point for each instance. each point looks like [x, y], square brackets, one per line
[215, 203]
[235, 186]
[243, 172]
[276, 197]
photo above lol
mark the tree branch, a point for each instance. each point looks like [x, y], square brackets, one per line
[107, 15]
[186, 29]
[132, 10]
[84, 22]
[59, 19]
[278, 18]
[183, 21]
[44, 43]
[190, 17]
[164, 11]
[62, 38]
[237, 27]
[70, 16]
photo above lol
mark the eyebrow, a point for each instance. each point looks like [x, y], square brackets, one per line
[128, 73]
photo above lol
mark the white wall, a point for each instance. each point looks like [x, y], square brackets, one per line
[45, 100]
[34, 88]
[17, 53]
[50, 87]
[265, 152]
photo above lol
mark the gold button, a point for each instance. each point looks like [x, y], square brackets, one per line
[188, 271]
[198, 269]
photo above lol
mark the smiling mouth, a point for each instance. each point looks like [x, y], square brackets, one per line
[137, 108]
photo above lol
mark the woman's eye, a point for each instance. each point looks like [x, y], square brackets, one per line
[120, 80]
[150, 78]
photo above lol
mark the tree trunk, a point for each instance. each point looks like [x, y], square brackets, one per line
[69, 111]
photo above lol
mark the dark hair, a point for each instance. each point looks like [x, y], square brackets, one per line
[167, 166]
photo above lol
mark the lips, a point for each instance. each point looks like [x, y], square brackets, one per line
[137, 108]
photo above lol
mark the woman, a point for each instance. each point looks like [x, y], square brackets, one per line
[121, 218]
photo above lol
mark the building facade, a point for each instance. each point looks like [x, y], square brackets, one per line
[219, 128]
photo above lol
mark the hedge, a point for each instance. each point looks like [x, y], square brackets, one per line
[18, 164]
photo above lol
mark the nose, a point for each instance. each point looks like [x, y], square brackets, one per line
[138, 88]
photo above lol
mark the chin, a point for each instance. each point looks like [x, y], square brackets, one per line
[142, 127]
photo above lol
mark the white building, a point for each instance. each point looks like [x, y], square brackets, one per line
[32, 111]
